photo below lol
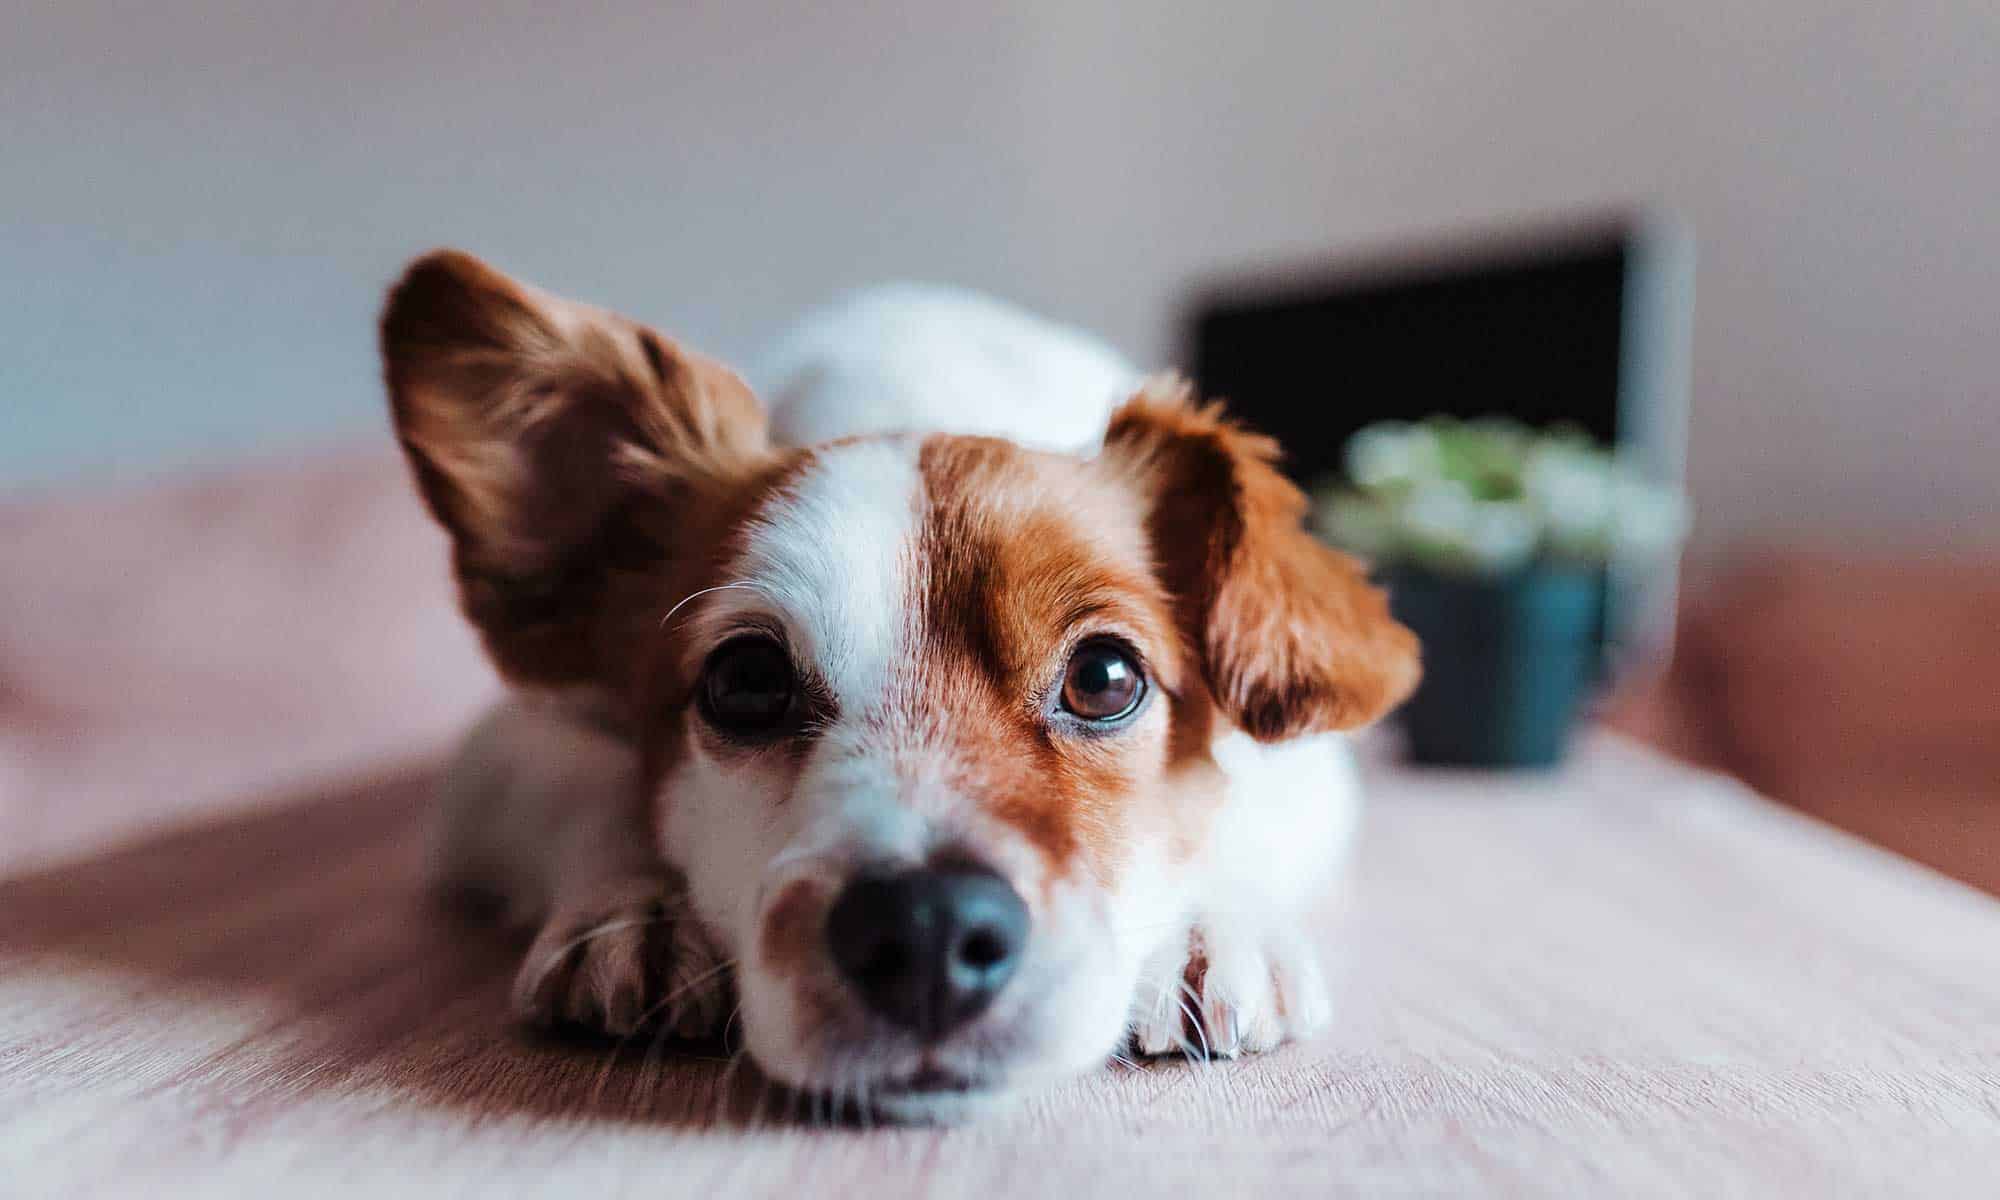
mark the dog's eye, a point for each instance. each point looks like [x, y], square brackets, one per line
[748, 687]
[1102, 683]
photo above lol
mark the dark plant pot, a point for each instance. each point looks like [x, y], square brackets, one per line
[1507, 664]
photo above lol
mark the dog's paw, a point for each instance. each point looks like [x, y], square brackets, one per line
[1226, 994]
[624, 959]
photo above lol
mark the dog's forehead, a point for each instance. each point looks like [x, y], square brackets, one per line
[877, 549]
[1014, 500]
[829, 552]
[1020, 547]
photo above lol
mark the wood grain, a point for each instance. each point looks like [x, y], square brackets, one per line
[1626, 979]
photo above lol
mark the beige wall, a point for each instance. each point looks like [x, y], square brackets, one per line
[201, 205]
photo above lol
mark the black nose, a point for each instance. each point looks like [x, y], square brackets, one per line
[928, 950]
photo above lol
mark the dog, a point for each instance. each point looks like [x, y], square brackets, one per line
[979, 724]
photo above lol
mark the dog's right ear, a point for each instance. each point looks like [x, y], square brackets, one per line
[1292, 637]
[543, 435]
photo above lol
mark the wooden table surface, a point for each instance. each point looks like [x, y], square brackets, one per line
[1625, 979]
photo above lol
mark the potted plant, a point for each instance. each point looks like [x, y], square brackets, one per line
[1496, 540]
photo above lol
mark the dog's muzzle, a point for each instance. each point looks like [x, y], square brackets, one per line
[927, 950]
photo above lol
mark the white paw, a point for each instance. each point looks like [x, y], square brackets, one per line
[622, 960]
[1226, 994]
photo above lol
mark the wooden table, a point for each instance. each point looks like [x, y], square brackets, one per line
[1626, 979]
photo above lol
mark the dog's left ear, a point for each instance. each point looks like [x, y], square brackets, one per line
[1292, 637]
[558, 444]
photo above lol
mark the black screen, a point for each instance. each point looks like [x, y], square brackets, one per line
[1532, 332]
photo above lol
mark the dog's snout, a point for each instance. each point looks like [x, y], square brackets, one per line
[928, 949]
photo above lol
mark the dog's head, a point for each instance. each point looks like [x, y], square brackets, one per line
[928, 718]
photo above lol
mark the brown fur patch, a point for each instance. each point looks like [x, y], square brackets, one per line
[1021, 557]
[548, 437]
[1292, 637]
[790, 937]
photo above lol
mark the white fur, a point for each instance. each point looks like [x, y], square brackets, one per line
[1290, 819]
[827, 562]
[1282, 799]
[500, 836]
[917, 358]
[827, 566]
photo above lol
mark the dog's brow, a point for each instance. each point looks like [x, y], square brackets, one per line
[1100, 607]
[745, 584]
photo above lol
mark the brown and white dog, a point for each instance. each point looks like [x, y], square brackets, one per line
[960, 764]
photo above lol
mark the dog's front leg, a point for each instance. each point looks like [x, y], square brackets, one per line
[545, 816]
[1230, 989]
[1246, 976]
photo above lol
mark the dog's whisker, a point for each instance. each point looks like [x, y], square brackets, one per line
[744, 584]
[618, 1051]
[604, 1074]
[653, 1057]
[764, 1101]
[688, 986]
[555, 957]
[864, 1103]
[1191, 1006]
[725, 1085]
[1193, 1021]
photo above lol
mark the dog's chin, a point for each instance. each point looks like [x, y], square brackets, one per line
[917, 1089]
[931, 1099]
[934, 1095]
[927, 1096]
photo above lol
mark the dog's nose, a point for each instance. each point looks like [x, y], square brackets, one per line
[928, 949]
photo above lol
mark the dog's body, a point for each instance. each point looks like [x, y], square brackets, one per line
[917, 359]
[874, 672]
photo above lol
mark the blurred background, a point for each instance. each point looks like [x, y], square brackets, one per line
[204, 201]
